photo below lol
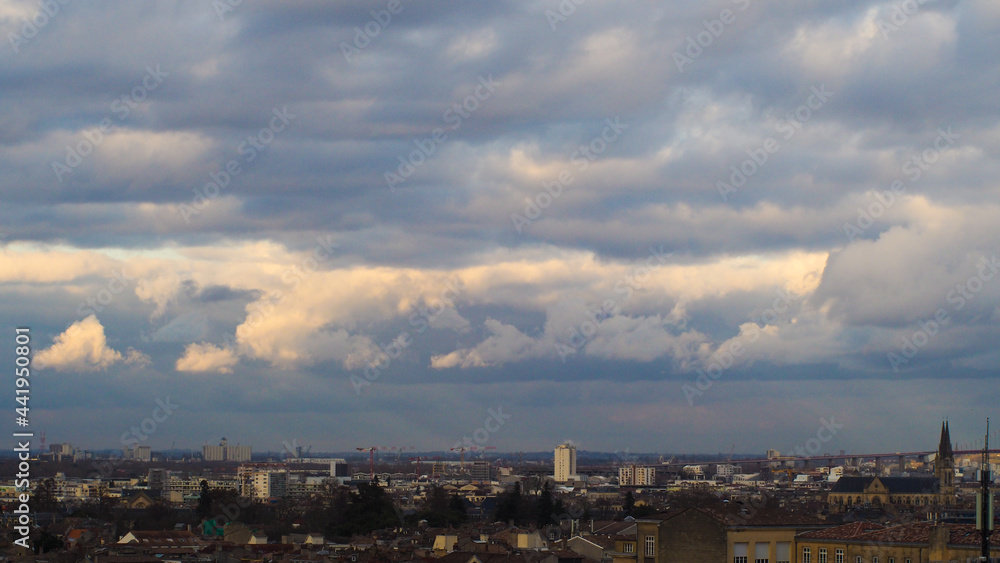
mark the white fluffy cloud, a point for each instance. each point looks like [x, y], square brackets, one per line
[83, 347]
[207, 357]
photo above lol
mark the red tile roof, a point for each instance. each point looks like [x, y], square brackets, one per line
[967, 534]
[844, 532]
[914, 532]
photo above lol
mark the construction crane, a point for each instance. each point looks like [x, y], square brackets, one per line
[399, 452]
[371, 459]
[299, 453]
[462, 451]
[418, 459]
[732, 450]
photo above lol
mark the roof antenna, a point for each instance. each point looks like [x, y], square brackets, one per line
[984, 500]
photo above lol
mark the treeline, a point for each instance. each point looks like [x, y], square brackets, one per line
[337, 512]
[537, 510]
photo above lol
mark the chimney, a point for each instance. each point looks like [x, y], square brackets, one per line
[940, 534]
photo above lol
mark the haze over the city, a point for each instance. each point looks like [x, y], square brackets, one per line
[654, 227]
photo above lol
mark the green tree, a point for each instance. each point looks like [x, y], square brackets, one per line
[204, 509]
[509, 506]
[629, 504]
[43, 498]
[456, 510]
[370, 508]
[544, 506]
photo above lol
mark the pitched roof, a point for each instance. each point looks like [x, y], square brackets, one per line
[844, 532]
[851, 484]
[176, 534]
[895, 485]
[613, 527]
[967, 534]
[913, 532]
[911, 485]
[604, 541]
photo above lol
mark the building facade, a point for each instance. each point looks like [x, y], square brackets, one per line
[877, 492]
[565, 463]
[263, 481]
[138, 453]
[634, 475]
[868, 542]
[696, 535]
[225, 452]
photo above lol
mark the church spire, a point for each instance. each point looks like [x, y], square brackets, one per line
[944, 448]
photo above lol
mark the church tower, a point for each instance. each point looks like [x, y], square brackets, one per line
[944, 467]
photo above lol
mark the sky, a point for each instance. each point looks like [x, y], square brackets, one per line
[639, 226]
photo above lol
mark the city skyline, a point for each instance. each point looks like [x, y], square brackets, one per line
[625, 456]
[685, 228]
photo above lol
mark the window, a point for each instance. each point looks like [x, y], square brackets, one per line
[892, 560]
[822, 555]
[651, 546]
[740, 552]
[874, 558]
[807, 556]
[838, 556]
[628, 547]
[783, 552]
[857, 559]
[762, 553]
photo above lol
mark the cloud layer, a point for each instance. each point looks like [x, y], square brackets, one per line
[445, 200]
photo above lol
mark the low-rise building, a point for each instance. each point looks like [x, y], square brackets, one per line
[635, 475]
[906, 543]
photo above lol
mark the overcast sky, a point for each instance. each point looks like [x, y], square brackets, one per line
[643, 226]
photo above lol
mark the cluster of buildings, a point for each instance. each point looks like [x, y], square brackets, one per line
[779, 536]
[225, 452]
[135, 452]
[776, 515]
